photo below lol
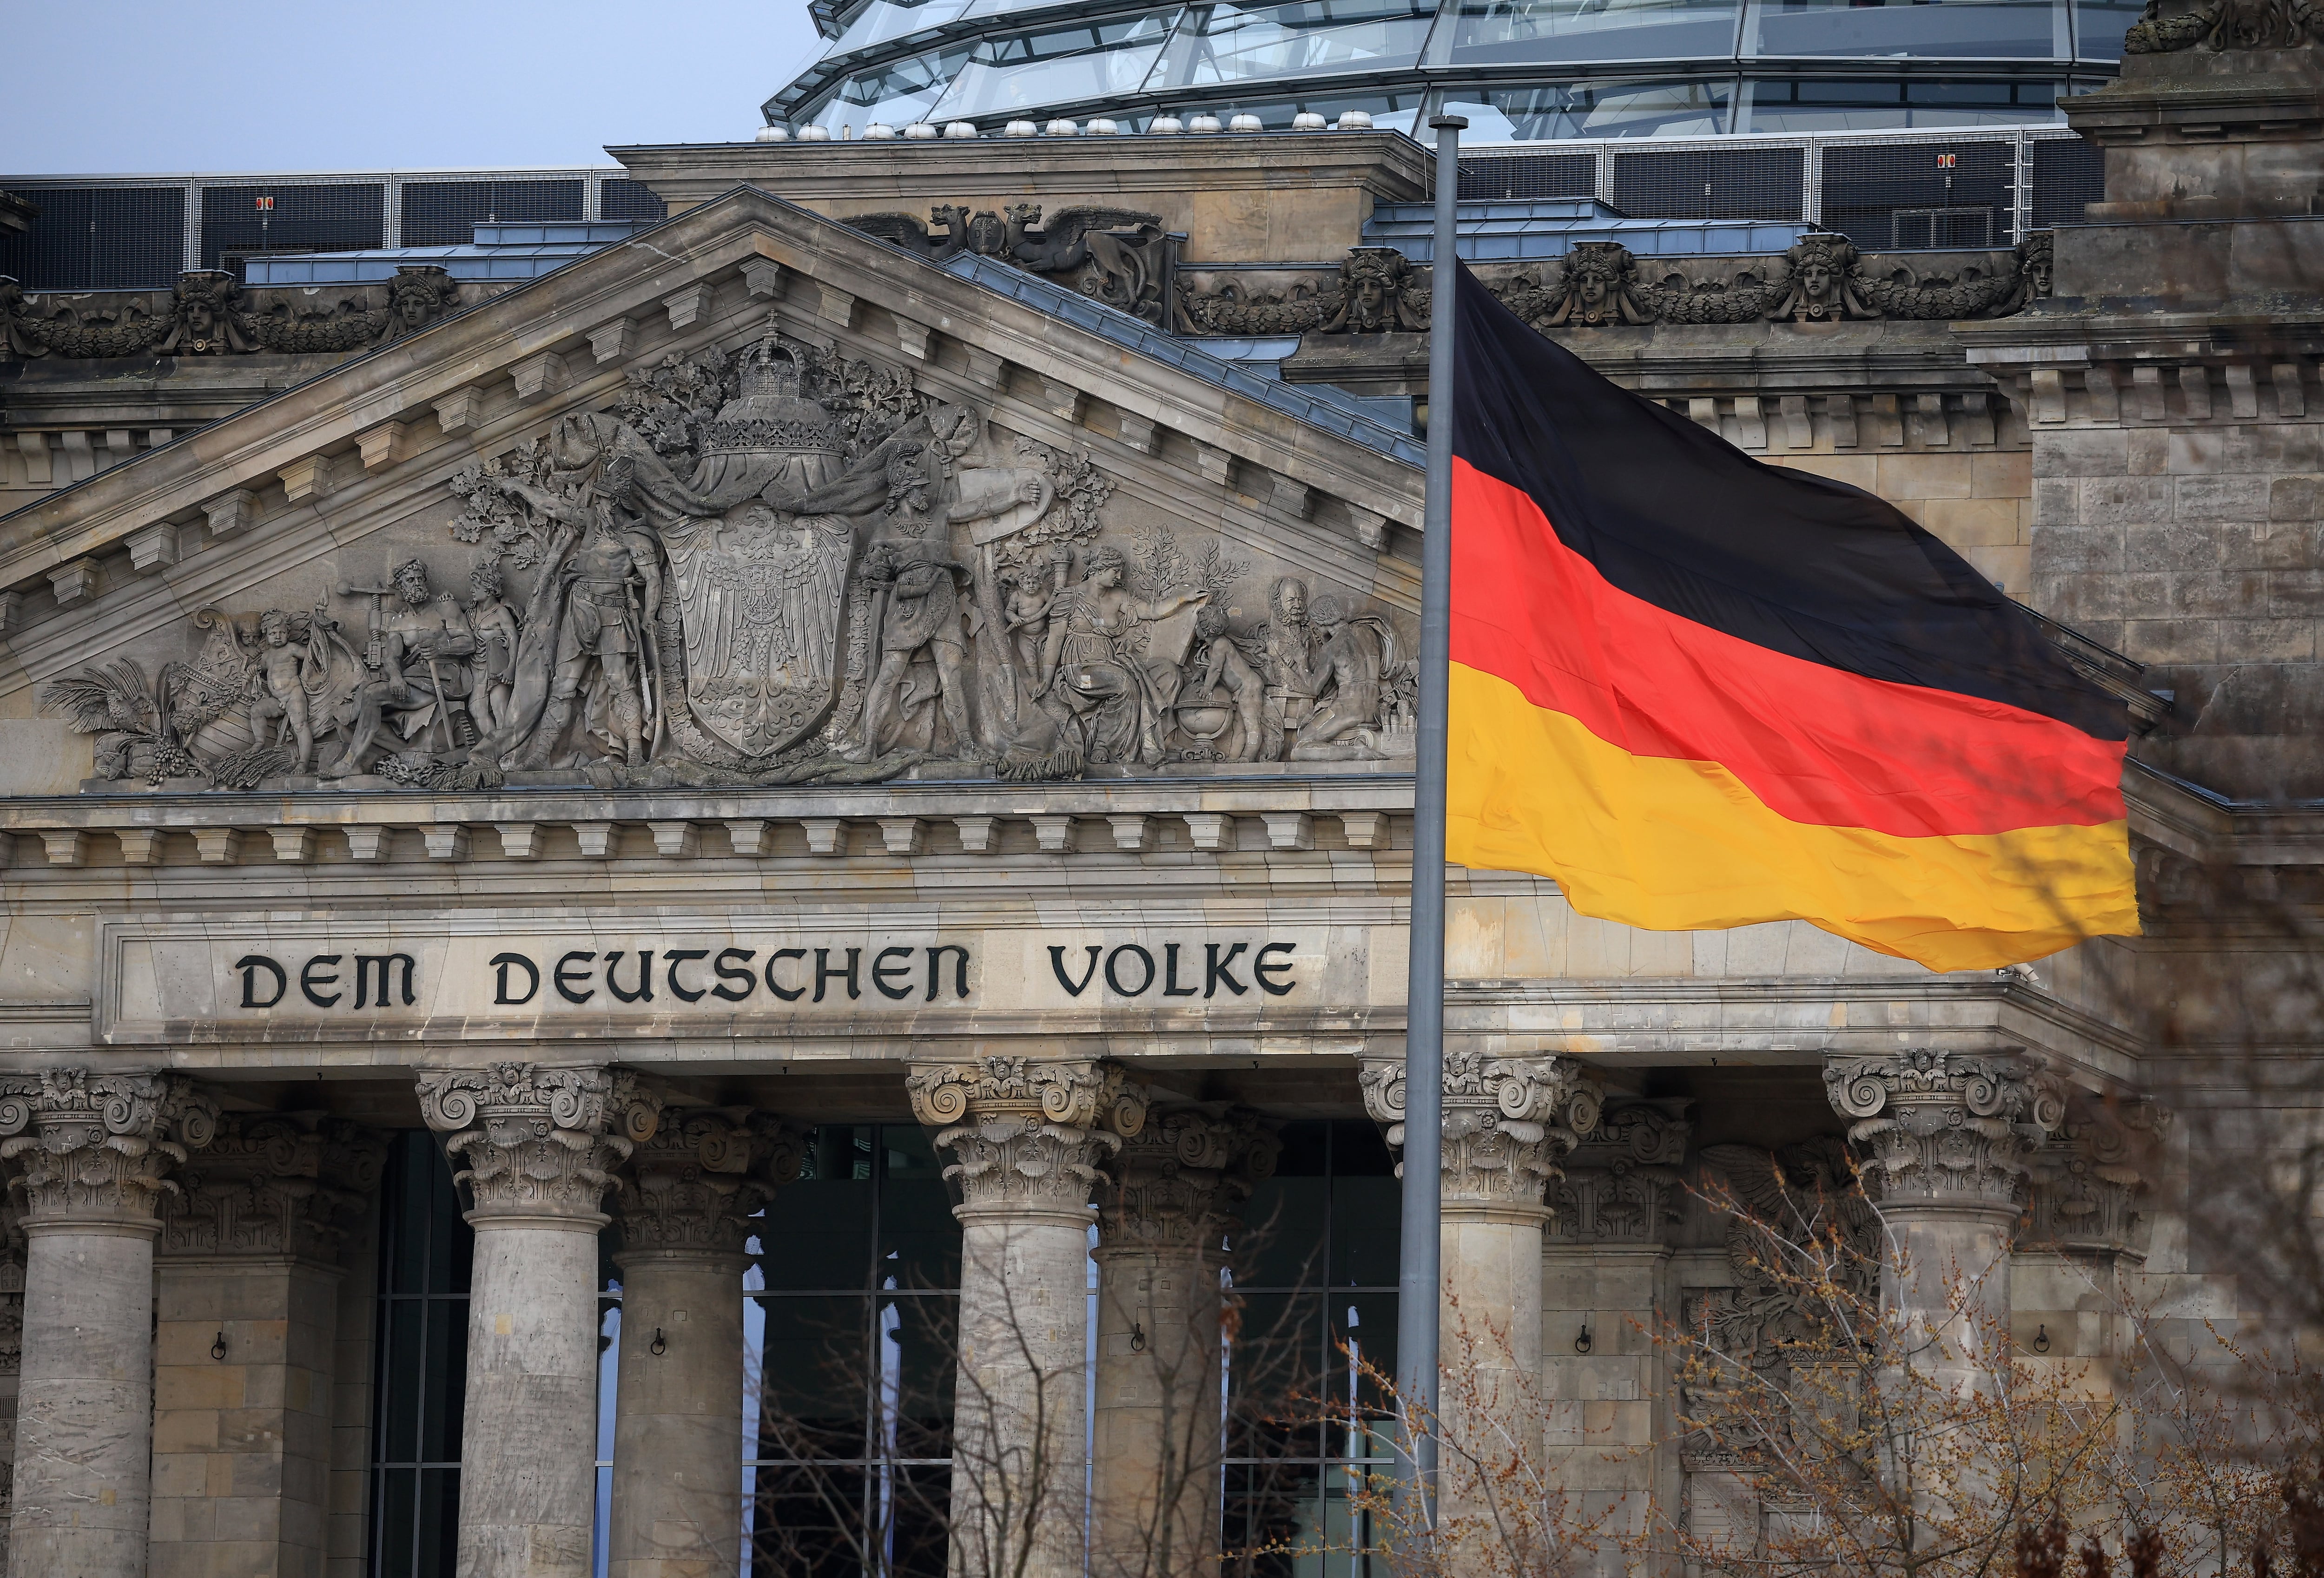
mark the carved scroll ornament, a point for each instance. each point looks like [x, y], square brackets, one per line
[210, 313]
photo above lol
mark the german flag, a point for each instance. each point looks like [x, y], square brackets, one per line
[1701, 692]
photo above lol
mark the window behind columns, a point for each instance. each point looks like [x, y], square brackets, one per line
[848, 1321]
[1313, 1291]
[425, 1249]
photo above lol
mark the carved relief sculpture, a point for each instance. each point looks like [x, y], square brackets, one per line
[1118, 256]
[210, 314]
[772, 566]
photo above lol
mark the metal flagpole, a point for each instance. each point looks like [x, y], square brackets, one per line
[1418, 1270]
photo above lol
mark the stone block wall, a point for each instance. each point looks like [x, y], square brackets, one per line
[242, 1442]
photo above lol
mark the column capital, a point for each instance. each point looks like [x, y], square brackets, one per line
[694, 1184]
[1179, 1182]
[274, 1184]
[1950, 1129]
[538, 1143]
[98, 1148]
[2091, 1176]
[1623, 1183]
[1027, 1134]
[1508, 1121]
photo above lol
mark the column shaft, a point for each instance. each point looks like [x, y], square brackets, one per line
[1154, 1481]
[529, 1431]
[677, 1437]
[536, 1146]
[1173, 1195]
[91, 1153]
[1027, 1136]
[85, 1407]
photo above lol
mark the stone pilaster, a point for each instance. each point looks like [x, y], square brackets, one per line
[1027, 1137]
[686, 1205]
[11, 1355]
[535, 1149]
[91, 1155]
[1949, 1139]
[246, 1284]
[1163, 1218]
[1508, 1125]
[1607, 1250]
[2087, 1225]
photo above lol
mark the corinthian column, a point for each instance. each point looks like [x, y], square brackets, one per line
[1949, 1138]
[1175, 1191]
[535, 1148]
[92, 1153]
[1027, 1137]
[1508, 1124]
[686, 1210]
[246, 1323]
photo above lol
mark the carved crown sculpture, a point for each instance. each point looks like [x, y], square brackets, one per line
[101, 1145]
[538, 1142]
[1944, 1128]
[1028, 1133]
[1507, 1120]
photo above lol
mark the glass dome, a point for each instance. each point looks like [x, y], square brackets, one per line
[1521, 70]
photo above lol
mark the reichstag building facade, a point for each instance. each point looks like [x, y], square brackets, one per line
[706, 864]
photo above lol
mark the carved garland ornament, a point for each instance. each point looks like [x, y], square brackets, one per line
[211, 314]
[1026, 1132]
[1508, 1121]
[1822, 277]
[535, 1141]
[86, 1144]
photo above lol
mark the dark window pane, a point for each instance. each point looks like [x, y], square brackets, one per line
[405, 1230]
[1275, 1376]
[447, 213]
[1956, 29]
[439, 1522]
[98, 238]
[445, 1380]
[818, 1232]
[917, 1538]
[1360, 1352]
[920, 1237]
[1922, 195]
[814, 1382]
[251, 221]
[914, 1366]
[1281, 1244]
[1271, 1512]
[397, 1508]
[1710, 183]
[398, 1400]
[2068, 173]
[810, 1522]
[630, 199]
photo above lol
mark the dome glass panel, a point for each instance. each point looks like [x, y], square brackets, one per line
[898, 93]
[2011, 30]
[1500, 33]
[2099, 27]
[1544, 112]
[1235, 43]
[883, 20]
[1773, 105]
[1024, 71]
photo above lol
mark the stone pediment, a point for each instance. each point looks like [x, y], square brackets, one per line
[748, 500]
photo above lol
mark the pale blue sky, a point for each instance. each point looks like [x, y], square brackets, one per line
[152, 86]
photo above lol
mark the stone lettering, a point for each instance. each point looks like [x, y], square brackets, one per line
[882, 972]
[378, 968]
[501, 964]
[250, 964]
[959, 970]
[734, 985]
[1058, 963]
[311, 980]
[1114, 980]
[787, 994]
[1263, 972]
[824, 972]
[1170, 987]
[672, 959]
[567, 977]
[644, 994]
[1215, 972]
